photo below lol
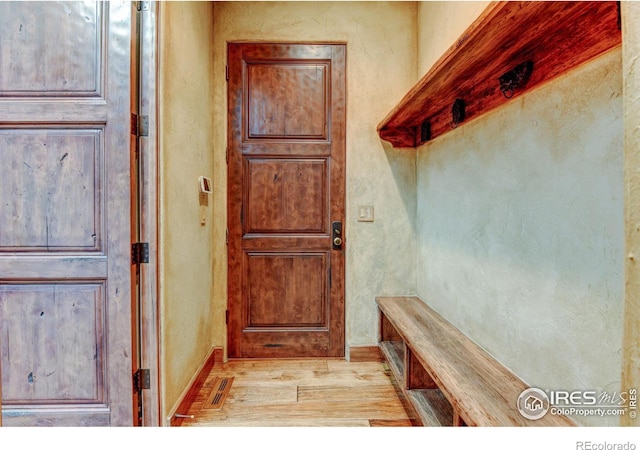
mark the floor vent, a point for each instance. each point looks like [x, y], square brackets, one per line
[219, 393]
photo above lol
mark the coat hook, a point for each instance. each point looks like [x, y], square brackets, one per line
[457, 112]
[425, 131]
[515, 78]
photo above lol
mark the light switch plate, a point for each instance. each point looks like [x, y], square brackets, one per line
[365, 213]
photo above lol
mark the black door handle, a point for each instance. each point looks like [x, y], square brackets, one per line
[336, 235]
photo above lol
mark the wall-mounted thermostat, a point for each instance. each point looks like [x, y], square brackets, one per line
[205, 185]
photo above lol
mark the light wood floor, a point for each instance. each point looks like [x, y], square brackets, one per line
[301, 393]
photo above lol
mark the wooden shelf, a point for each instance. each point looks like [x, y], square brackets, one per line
[556, 36]
[393, 352]
[432, 407]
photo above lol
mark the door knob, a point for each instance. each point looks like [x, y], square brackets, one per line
[336, 230]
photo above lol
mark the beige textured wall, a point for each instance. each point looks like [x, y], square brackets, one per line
[440, 25]
[381, 67]
[631, 74]
[520, 227]
[185, 133]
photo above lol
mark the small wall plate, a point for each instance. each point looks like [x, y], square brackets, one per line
[205, 185]
[365, 213]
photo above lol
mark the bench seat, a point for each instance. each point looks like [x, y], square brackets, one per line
[447, 378]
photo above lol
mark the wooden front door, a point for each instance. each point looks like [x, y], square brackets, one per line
[286, 199]
[65, 221]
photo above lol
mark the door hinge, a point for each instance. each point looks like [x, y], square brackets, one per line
[227, 155]
[226, 73]
[139, 125]
[226, 239]
[142, 379]
[140, 253]
[143, 6]
[226, 317]
[143, 125]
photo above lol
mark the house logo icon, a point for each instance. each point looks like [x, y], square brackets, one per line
[533, 403]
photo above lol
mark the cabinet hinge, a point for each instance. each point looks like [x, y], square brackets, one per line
[226, 73]
[140, 253]
[142, 379]
[227, 155]
[226, 239]
[226, 317]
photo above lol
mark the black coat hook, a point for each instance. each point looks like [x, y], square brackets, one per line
[457, 112]
[515, 78]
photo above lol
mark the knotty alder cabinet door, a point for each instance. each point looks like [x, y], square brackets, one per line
[65, 264]
[286, 199]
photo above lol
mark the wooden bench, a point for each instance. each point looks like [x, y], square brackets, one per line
[445, 377]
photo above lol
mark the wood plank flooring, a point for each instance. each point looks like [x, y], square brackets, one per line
[318, 392]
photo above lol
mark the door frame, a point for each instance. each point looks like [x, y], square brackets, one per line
[148, 197]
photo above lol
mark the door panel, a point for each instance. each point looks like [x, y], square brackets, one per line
[286, 196]
[287, 100]
[54, 195]
[286, 187]
[70, 60]
[65, 223]
[298, 278]
[44, 359]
